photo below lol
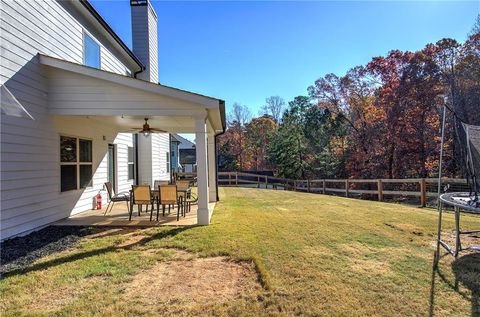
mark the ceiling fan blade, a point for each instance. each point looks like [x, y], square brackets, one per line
[158, 130]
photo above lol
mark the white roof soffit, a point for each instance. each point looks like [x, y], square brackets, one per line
[199, 103]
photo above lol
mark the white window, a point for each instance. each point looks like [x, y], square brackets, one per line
[75, 163]
[91, 51]
[131, 163]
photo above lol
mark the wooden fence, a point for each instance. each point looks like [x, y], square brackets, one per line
[421, 188]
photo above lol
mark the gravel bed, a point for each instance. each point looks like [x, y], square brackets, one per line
[18, 253]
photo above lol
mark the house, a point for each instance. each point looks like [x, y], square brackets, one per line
[188, 160]
[187, 156]
[89, 95]
[175, 153]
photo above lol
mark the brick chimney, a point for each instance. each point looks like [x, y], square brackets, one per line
[144, 38]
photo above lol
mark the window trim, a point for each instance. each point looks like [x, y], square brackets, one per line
[77, 163]
[130, 163]
[169, 167]
[85, 32]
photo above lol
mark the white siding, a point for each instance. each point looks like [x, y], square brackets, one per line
[123, 141]
[152, 158]
[30, 172]
[160, 146]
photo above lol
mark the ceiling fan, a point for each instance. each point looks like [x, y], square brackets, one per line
[146, 130]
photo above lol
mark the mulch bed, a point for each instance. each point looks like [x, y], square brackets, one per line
[18, 253]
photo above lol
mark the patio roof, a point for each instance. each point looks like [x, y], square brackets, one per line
[78, 90]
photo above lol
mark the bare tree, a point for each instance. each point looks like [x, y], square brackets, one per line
[240, 114]
[274, 106]
[476, 26]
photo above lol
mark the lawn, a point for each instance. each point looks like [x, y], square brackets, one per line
[290, 253]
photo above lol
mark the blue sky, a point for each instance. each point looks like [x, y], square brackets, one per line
[246, 51]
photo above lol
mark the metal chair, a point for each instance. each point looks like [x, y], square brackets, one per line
[168, 195]
[185, 193]
[155, 188]
[141, 195]
[113, 198]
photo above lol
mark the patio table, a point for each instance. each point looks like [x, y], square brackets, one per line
[155, 196]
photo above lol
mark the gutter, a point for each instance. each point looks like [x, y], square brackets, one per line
[138, 72]
[112, 33]
[224, 126]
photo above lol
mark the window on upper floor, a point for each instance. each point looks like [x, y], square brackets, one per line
[91, 51]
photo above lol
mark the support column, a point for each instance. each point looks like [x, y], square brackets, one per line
[203, 214]
[212, 165]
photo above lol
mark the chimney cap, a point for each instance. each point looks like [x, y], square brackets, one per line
[138, 3]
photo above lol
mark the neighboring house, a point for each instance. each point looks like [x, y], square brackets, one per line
[174, 153]
[188, 160]
[86, 90]
[187, 154]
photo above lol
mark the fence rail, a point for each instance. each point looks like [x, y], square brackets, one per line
[423, 188]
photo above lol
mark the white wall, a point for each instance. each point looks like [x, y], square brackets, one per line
[152, 158]
[30, 172]
[122, 142]
[160, 147]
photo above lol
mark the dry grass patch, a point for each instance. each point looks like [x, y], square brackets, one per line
[55, 298]
[131, 240]
[192, 281]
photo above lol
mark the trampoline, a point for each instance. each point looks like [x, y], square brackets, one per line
[467, 138]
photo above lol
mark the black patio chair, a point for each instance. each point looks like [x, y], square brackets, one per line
[114, 198]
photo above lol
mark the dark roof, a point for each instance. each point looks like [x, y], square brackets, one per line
[174, 138]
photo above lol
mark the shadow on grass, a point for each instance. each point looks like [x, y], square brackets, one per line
[466, 270]
[83, 255]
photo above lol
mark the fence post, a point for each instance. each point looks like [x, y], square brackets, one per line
[266, 181]
[230, 178]
[236, 178]
[380, 190]
[294, 185]
[423, 192]
[346, 188]
[308, 185]
[258, 181]
[323, 190]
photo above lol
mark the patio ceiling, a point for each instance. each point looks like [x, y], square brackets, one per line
[124, 102]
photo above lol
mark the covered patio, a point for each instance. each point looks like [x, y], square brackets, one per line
[118, 217]
[117, 104]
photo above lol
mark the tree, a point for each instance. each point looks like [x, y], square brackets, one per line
[258, 133]
[227, 161]
[475, 27]
[240, 114]
[274, 106]
[287, 151]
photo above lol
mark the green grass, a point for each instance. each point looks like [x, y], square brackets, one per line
[314, 254]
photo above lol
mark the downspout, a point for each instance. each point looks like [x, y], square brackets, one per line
[224, 126]
[138, 71]
[216, 163]
[136, 157]
[170, 155]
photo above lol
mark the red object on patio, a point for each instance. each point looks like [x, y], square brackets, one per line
[99, 201]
